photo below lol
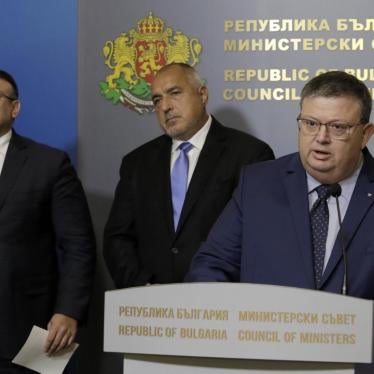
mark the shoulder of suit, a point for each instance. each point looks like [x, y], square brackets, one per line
[238, 135]
[149, 147]
[273, 166]
[247, 144]
[36, 147]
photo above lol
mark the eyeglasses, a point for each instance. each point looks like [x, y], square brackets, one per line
[7, 97]
[336, 129]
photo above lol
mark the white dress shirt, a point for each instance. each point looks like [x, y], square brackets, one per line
[197, 141]
[347, 186]
[4, 144]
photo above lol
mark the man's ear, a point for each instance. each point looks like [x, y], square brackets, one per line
[203, 91]
[16, 108]
[367, 133]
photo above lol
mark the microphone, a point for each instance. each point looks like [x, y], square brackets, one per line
[336, 190]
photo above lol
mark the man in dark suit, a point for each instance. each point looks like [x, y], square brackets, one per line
[151, 236]
[47, 249]
[267, 232]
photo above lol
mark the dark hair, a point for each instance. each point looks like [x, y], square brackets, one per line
[7, 77]
[336, 84]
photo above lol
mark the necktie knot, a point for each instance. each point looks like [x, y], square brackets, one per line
[185, 147]
[323, 191]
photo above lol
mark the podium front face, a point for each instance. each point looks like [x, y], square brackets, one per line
[140, 364]
[238, 321]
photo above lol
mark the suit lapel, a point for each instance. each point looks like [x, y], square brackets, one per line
[212, 150]
[297, 192]
[361, 201]
[14, 159]
[162, 164]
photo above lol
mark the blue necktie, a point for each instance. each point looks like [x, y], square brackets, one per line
[319, 217]
[179, 178]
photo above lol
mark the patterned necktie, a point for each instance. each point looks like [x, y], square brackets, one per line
[319, 217]
[179, 177]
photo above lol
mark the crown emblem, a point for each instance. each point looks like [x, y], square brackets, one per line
[135, 56]
[150, 25]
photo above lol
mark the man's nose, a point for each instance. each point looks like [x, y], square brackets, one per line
[165, 104]
[323, 135]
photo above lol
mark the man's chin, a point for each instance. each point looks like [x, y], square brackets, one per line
[174, 132]
[323, 174]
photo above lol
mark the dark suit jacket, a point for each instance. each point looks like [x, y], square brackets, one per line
[263, 235]
[140, 244]
[46, 242]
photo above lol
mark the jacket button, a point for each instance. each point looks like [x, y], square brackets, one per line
[175, 250]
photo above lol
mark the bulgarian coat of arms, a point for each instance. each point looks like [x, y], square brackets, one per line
[135, 57]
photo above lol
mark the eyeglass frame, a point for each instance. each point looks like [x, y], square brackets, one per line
[348, 127]
[7, 97]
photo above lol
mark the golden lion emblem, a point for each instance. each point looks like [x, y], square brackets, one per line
[135, 57]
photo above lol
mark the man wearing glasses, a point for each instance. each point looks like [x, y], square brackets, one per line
[47, 247]
[268, 232]
[281, 226]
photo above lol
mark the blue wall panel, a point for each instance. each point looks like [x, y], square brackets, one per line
[38, 42]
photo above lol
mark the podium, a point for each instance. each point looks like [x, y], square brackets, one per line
[237, 328]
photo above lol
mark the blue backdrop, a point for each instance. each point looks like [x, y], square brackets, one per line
[38, 41]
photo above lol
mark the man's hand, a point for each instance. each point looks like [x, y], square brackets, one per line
[61, 333]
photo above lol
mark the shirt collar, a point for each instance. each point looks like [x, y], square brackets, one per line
[4, 141]
[198, 139]
[347, 184]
